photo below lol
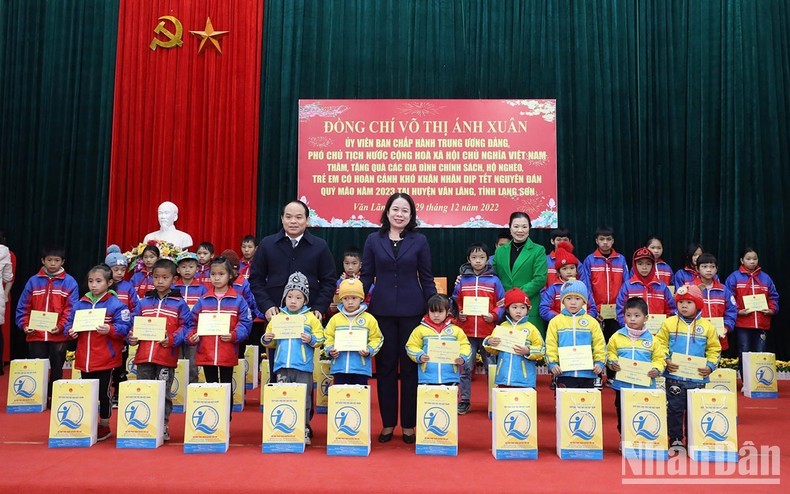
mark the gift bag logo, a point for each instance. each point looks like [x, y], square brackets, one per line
[517, 424]
[646, 424]
[283, 418]
[205, 419]
[436, 421]
[25, 386]
[174, 388]
[764, 375]
[582, 424]
[715, 426]
[348, 421]
[137, 414]
[70, 414]
[130, 367]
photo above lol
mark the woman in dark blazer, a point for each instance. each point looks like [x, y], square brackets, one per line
[399, 260]
[522, 263]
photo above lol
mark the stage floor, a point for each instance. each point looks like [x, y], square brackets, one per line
[26, 463]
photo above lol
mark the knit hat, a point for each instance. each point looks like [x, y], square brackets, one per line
[563, 253]
[297, 281]
[231, 256]
[516, 296]
[114, 257]
[351, 287]
[689, 292]
[574, 287]
[186, 256]
[643, 253]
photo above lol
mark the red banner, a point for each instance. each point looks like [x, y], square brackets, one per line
[466, 163]
[185, 121]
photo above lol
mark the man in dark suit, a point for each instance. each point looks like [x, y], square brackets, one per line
[292, 249]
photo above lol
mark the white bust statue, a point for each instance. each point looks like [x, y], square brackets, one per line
[168, 214]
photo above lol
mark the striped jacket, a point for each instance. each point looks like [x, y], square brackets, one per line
[516, 370]
[741, 283]
[663, 272]
[685, 276]
[191, 293]
[657, 295]
[605, 274]
[126, 293]
[643, 349]
[353, 362]
[696, 338]
[718, 301]
[486, 285]
[96, 352]
[203, 274]
[417, 346]
[211, 350]
[551, 306]
[58, 293]
[143, 282]
[568, 330]
[175, 310]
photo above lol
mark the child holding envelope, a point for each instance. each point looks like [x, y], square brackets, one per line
[692, 350]
[100, 324]
[634, 353]
[437, 345]
[352, 336]
[479, 295]
[220, 321]
[575, 348]
[517, 342]
[294, 333]
[160, 321]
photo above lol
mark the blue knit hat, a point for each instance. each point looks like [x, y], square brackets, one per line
[114, 257]
[574, 287]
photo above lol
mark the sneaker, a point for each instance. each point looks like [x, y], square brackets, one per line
[103, 432]
[115, 402]
[167, 434]
[309, 430]
[598, 384]
[464, 407]
[306, 438]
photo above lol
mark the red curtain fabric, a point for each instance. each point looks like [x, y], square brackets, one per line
[185, 124]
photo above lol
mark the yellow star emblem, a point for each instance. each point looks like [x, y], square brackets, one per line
[209, 34]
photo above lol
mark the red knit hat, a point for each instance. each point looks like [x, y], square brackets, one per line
[516, 296]
[563, 252]
[643, 253]
[690, 292]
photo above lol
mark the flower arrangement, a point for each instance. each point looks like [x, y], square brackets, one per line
[135, 255]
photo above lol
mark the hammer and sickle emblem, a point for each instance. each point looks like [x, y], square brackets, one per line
[173, 39]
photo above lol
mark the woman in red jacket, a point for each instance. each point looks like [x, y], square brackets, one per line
[99, 350]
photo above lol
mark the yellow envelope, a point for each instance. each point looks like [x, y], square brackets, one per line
[577, 357]
[718, 323]
[283, 418]
[634, 372]
[476, 306]
[755, 302]
[654, 322]
[712, 426]
[579, 424]
[27, 386]
[644, 423]
[437, 420]
[207, 418]
[759, 375]
[42, 321]
[351, 340]
[88, 319]
[287, 326]
[443, 351]
[150, 328]
[75, 415]
[609, 311]
[348, 421]
[141, 414]
[514, 427]
[213, 324]
[688, 365]
[509, 338]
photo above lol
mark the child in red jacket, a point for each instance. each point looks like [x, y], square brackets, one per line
[99, 350]
[157, 360]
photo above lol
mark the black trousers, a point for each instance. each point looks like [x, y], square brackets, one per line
[220, 374]
[391, 358]
[105, 378]
[609, 327]
[55, 351]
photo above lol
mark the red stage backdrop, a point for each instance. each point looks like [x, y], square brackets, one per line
[185, 122]
[466, 163]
